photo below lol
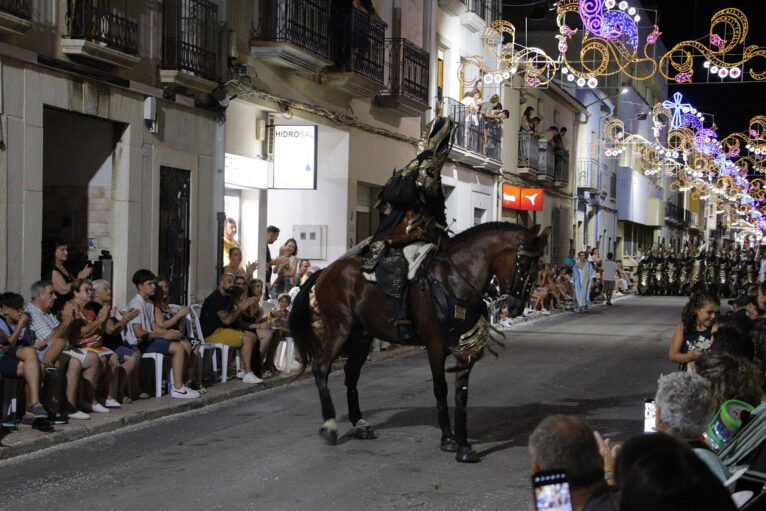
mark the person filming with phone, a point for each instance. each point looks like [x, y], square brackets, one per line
[565, 449]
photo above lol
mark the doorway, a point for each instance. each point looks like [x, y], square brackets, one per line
[174, 245]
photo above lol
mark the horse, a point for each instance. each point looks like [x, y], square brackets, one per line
[353, 311]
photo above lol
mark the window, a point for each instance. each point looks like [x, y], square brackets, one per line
[478, 216]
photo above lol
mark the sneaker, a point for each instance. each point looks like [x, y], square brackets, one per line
[184, 393]
[97, 408]
[51, 370]
[37, 411]
[58, 418]
[112, 403]
[79, 415]
[251, 378]
[240, 374]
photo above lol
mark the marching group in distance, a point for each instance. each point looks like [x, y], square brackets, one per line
[79, 354]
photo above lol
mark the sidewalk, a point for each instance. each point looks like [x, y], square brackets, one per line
[27, 440]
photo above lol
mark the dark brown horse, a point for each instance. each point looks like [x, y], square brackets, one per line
[354, 310]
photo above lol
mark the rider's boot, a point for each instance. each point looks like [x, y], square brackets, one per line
[402, 323]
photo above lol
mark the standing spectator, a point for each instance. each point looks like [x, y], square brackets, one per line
[566, 443]
[17, 361]
[51, 337]
[570, 260]
[229, 231]
[526, 118]
[59, 274]
[272, 234]
[143, 333]
[609, 267]
[286, 272]
[692, 336]
[582, 280]
[111, 337]
[218, 318]
[235, 265]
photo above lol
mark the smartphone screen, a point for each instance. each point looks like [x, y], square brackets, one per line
[551, 491]
[650, 414]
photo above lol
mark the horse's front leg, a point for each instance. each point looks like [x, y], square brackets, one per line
[329, 430]
[465, 454]
[436, 358]
[357, 354]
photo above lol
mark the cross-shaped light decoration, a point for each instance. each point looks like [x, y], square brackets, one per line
[678, 109]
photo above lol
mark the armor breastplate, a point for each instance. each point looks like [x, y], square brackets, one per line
[696, 270]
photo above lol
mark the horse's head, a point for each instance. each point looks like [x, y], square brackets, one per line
[523, 270]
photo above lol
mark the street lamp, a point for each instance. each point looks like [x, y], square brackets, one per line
[624, 90]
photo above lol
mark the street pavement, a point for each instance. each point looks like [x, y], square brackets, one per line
[262, 451]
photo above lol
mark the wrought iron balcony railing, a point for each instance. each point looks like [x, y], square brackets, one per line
[457, 111]
[19, 8]
[561, 166]
[674, 212]
[489, 10]
[529, 152]
[492, 144]
[588, 173]
[407, 70]
[190, 36]
[358, 43]
[305, 23]
[110, 22]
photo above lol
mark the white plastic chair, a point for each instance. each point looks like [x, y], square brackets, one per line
[285, 352]
[196, 311]
[159, 360]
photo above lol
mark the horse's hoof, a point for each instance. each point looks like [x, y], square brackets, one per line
[467, 455]
[448, 444]
[330, 436]
[365, 433]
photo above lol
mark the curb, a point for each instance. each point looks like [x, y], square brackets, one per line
[27, 441]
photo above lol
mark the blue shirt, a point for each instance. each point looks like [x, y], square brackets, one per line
[8, 330]
[569, 261]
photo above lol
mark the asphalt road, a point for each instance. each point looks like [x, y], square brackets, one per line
[262, 451]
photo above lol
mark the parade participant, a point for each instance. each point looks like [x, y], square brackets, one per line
[692, 336]
[582, 280]
[411, 207]
[609, 268]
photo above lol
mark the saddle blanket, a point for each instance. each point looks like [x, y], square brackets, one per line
[415, 253]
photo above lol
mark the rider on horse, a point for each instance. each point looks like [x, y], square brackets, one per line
[411, 206]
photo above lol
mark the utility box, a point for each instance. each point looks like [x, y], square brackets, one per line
[312, 241]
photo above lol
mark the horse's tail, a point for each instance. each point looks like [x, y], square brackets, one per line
[305, 339]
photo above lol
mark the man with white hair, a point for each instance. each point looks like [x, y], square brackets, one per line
[684, 408]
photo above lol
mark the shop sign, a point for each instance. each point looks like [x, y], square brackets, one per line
[524, 199]
[295, 157]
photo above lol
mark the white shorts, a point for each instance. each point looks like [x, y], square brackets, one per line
[76, 353]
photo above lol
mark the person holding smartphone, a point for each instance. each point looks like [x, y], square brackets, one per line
[569, 453]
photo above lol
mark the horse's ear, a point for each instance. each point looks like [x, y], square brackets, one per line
[534, 229]
[544, 235]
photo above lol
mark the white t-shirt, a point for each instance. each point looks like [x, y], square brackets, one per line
[610, 269]
[144, 318]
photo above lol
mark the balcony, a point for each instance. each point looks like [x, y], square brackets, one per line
[561, 168]
[473, 19]
[357, 48]
[547, 164]
[589, 176]
[189, 44]
[294, 35]
[104, 32]
[475, 144]
[674, 214]
[406, 79]
[534, 156]
[14, 17]
[454, 7]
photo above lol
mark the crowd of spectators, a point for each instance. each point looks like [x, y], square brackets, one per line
[78, 354]
[483, 123]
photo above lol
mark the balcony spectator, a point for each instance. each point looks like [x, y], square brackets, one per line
[535, 123]
[558, 142]
[166, 319]
[229, 231]
[526, 119]
[255, 320]
[565, 443]
[473, 98]
[99, 363]
[17, 360]
[143, 333]
[550, 133]
[51, 338]
[219, 320]
[57, 254]
[111, 337]
[684, 409]
[693, 334]
[235, 265]
[570, 261]
[286, 271]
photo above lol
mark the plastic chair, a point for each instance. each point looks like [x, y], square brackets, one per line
[285, 351]
[196, 311]
[159, 360]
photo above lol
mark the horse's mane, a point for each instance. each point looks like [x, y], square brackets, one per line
[482, 228]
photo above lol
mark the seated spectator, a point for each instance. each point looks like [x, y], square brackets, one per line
[638, 446]
[164, 318]
[294, 291]
[58, 254]
[17, 360]
[111, 337]
[693, 334]
[255, 320]
[731, 377]
[143, 333]
[733, 335]
[684, 409]
[219, 319]
[51, 338]
[759, 347]
[623, 279]
[303, 267]
[240, 282]
[85, 338]
[566, 443]
[672, 480]
[235, 265]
